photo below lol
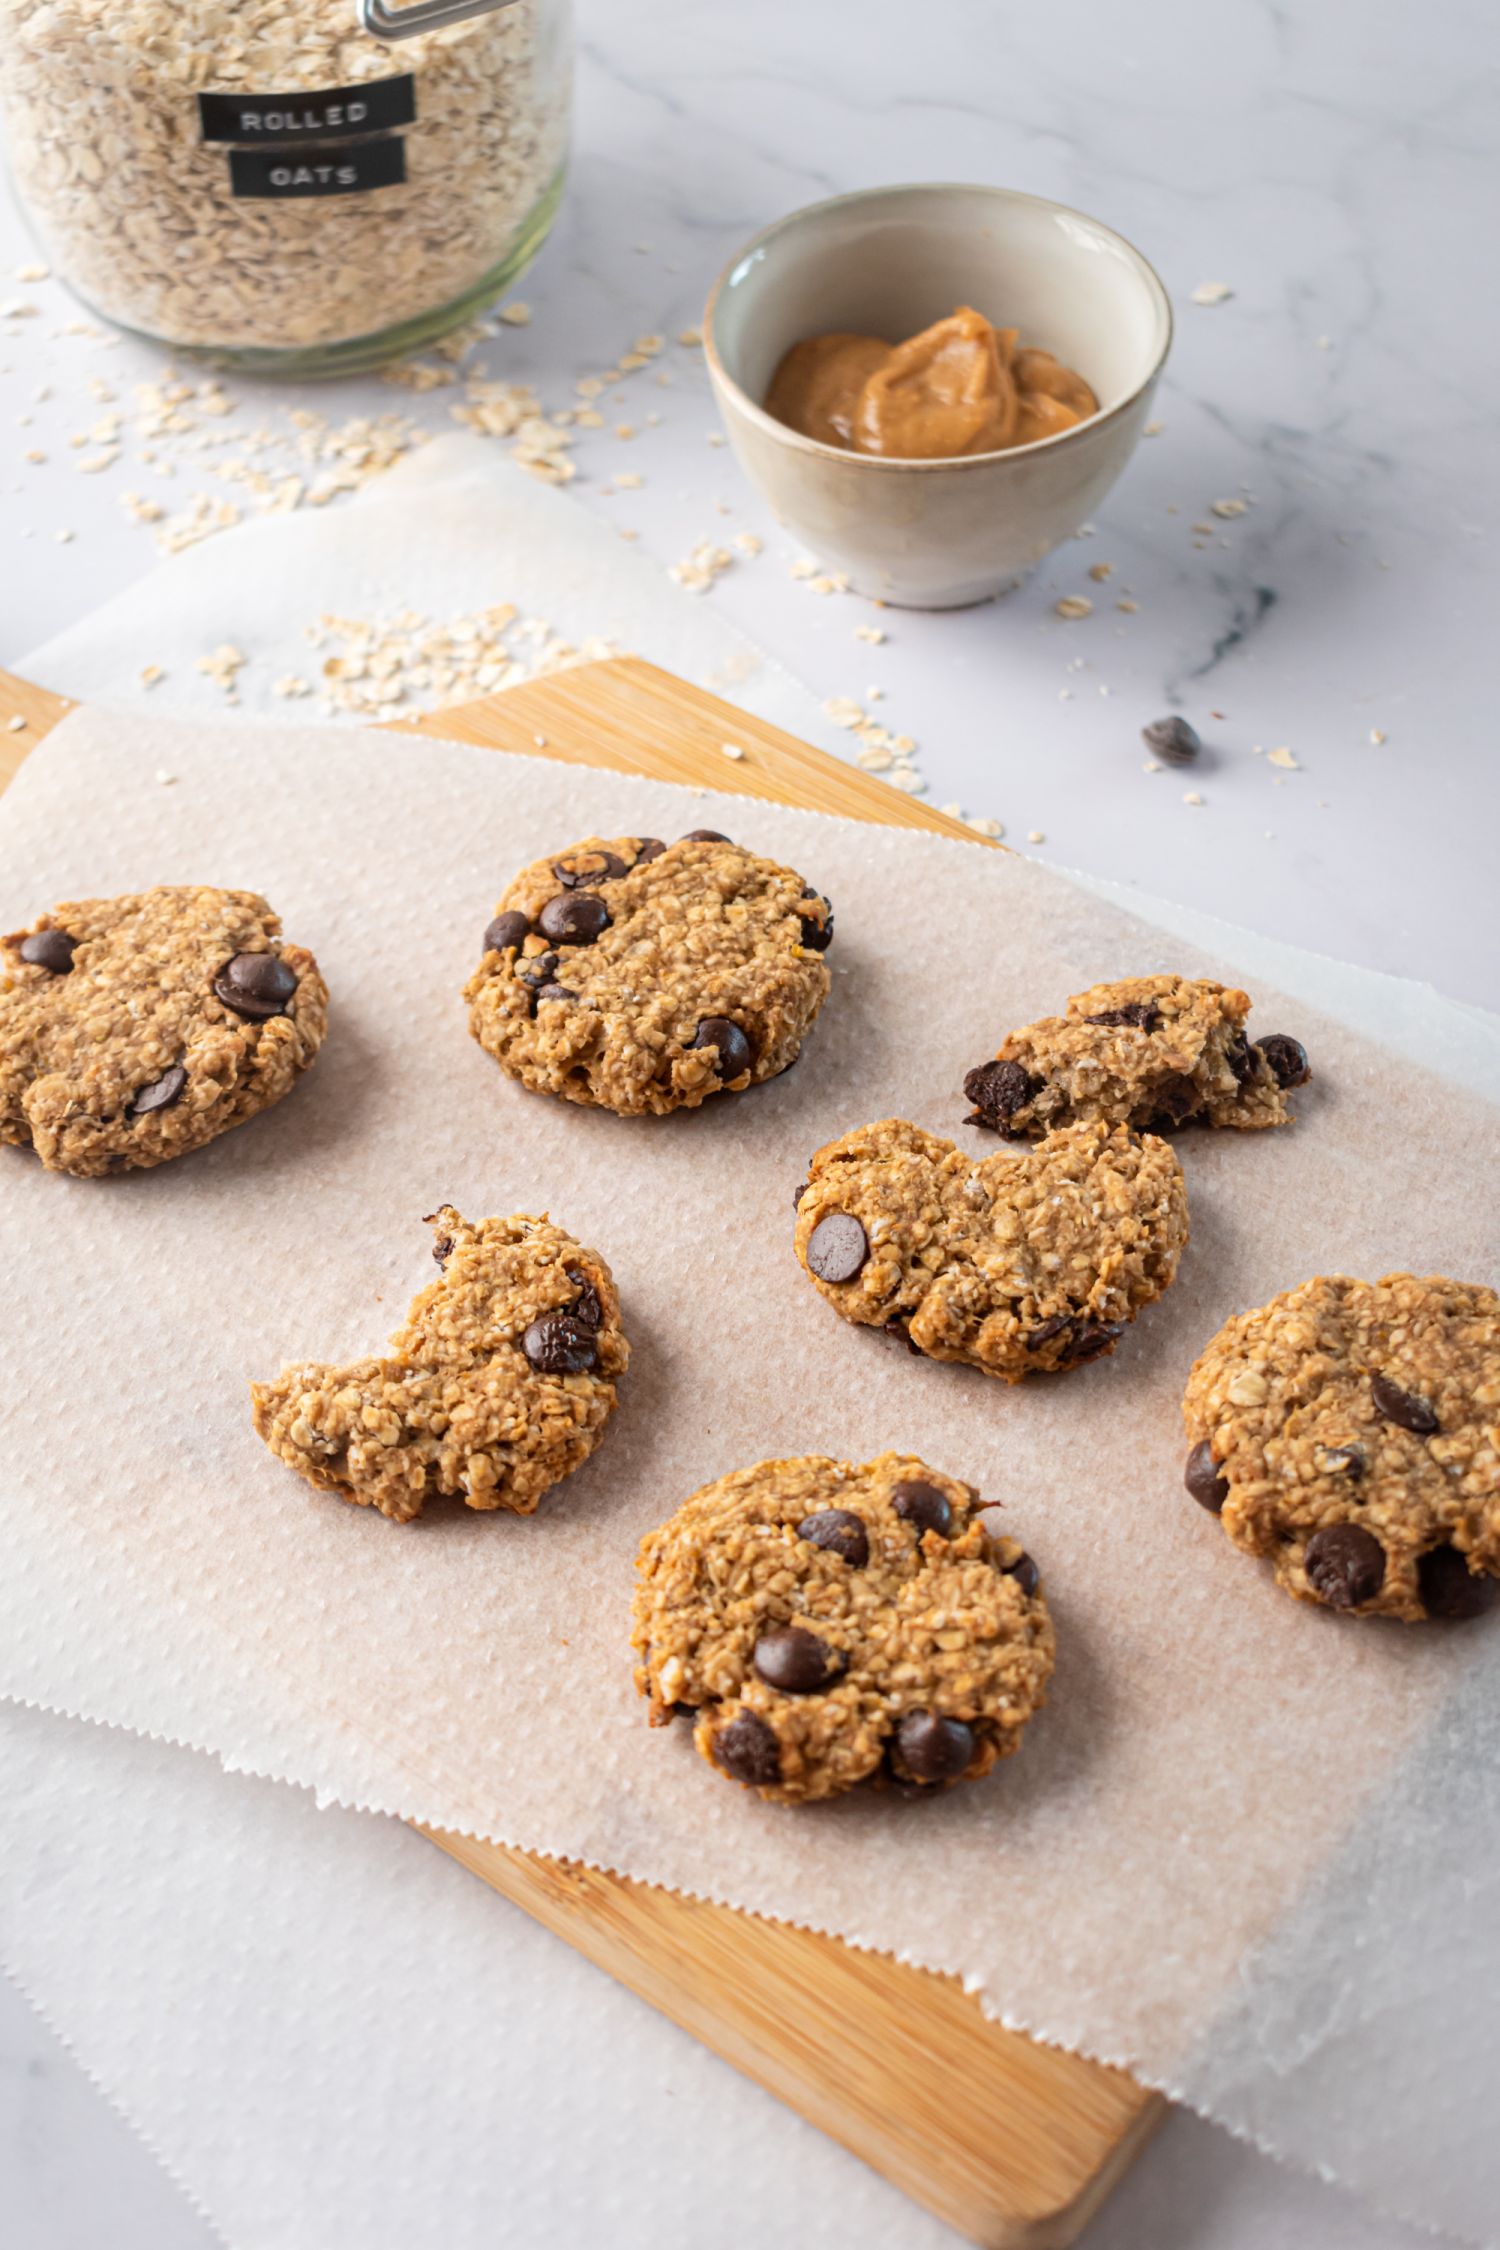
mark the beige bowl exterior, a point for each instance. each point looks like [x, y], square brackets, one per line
[938, 534]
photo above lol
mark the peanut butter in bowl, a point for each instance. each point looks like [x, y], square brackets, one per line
[960, 387]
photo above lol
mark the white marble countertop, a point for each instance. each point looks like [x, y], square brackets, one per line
[1338, 391]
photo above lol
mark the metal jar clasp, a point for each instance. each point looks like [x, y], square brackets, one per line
[383, 22]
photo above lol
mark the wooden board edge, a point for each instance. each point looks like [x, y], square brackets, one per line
[1013, 2143]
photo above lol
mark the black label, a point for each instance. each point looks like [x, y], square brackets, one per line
[317, 171]
[337, 113]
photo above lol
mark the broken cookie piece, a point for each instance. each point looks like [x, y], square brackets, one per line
[499, 1384]
[1153, 1053]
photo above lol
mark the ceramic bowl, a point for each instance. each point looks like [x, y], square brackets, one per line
[887, 262]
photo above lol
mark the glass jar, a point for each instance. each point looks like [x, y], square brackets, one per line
[298, 187]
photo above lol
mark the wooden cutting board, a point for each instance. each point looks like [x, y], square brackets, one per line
[1013, 2143]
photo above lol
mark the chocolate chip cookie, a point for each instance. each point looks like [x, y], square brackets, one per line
[641, 977]
[820, 1623]
[1153, 1053]
[499, 1384]
[1349, 1431]
[1019, 1265]
[134, 1029]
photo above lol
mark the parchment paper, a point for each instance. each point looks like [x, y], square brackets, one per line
[1209, 1744]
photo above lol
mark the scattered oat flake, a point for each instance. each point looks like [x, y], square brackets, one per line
[984, 826]
[291, 685]
[1153, 429]
[1283, 758]
[151, 675]
[690, 336]
[16, 725]
[33, 273]
[1074, 605]
[1036, 836]
[1229, 507]
[1127, 605]
[874, 634]
[64, 538]
[843, 710]
[629, 480]
[517, 315]
[1377, 736]
[1192, 798]
[911, 783]
[702, 567]
[1212, 293]
[165, 779]
[731, 750]
[223, 665]
[748, 542]
[1101, 571]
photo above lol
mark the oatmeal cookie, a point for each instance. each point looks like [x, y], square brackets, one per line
[1153, 1053]
[1020, 1265]
[134, 1029]
[1350, 1432]
[640, 976]
[499, 1385]
[819, 1623]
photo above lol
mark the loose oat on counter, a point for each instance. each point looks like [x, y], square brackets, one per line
[1153, 1053]
[820, 1624]
[500, 1383]
[1018, 1265]
[135, 1029]
[641, 977]
[1349, 1432]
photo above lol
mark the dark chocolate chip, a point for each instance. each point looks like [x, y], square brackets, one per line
[161, 1093]
[747, 1750]
[585, 1306]
[837, 1247]
[798, 1193]
[1140, 1015]
[1202, 1478]
[573, 918]
[560, 1344]
[1240, 1056]
[508, 929]
[1287, 1058]
[704, 836]
[998, 1090]
[1025, 1573]
[1345, 1565]
[555, 992]
[923, 1507]
[1172, 740]
[255, 985]
[735, 1051]
[1034, 1338]
[1344, 1460]
[648, 848]
[572, 878]
[51, 950]
[840, 1532]
[1405, 1408]
[1178, 1103]
[817, 936]
[795, 1661]
[537, 969]
[1093, 1339]
[442, 1249]
[1449, 1588]
[933, 1748]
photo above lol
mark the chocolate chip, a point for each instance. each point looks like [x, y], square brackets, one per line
[1092, 1339]
[161, 1093]
[1140, 1015]
[1449, 1588]
[998, 1090]
[51, 950]
[1172, 740]
[585, 1306]
[923, 1507]
[560, 1344]
[704, 836]
[255, 985]
[1287, 1058]
[839, 1532]
[573, 918]
[837, 1247]
[537, 969]
[735, 1051]
[1404, 1408]
[1034, 1338]
[1178, 1101]
[1345, 1565]
[1344, 1460]
[1025, 1573]
[796, 1662]
[747, 1750]
[817, 936]
[648, 848]
[798, 1193]
[1240, 1056]
[555, 992]
[933, 1748]
[609, 870]
[508, 929]
[442, 1249]
[1202, 1477]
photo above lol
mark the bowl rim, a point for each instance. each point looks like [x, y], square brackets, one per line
[795, 441]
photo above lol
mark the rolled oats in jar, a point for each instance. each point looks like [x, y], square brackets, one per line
[272, 184]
